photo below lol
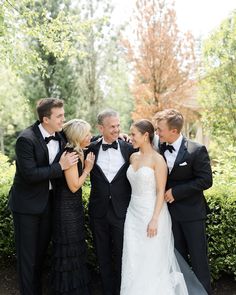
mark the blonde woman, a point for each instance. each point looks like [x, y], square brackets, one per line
[69, 246]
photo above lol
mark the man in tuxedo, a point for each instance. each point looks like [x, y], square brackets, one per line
[189, 175]
[39, 160]
[109, 198]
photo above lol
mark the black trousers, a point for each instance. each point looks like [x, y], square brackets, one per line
[190, 241]
[32, 236]
[108, 234]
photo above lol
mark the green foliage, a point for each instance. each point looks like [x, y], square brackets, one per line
[14, 110]
[7, 171]
[102, 54]
[221, 224]
[218, 84]
[221, 228]
[118, 94]
[89, 239]
[55, 49]
[26, 20]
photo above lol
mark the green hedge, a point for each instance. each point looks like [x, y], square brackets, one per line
[221, 229]
[221, 224]
[7, 172]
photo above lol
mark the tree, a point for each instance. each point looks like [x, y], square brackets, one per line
[162, 58]
[117, 93]
[57, 78]
[14, 111]
[101, 54]
[218, 84]
[20, 21]
[37, 40]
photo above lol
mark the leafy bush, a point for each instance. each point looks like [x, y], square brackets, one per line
[7, 171]
[89, 239]
[221, 224]
[221, 228]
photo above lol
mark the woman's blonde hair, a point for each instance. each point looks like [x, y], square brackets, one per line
[76, 131]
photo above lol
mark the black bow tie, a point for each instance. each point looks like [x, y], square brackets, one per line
[114, 145]
[165, 147]
[47, 139]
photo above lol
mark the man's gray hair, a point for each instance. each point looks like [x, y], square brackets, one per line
[106, 113]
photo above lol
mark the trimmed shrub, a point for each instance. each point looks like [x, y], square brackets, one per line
[221, 228]
[7, 172]
[221, 224]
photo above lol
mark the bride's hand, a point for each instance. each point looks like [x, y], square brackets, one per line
[152, 228]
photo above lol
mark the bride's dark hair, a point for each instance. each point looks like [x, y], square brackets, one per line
[144, 126]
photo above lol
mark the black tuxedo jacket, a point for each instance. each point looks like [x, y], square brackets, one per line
[30, 189]
[118, 191]
[190, 176]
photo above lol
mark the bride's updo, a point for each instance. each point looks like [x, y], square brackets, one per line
[144, 126]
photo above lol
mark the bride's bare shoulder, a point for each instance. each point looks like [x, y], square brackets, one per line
[133, 157]
[158, 157]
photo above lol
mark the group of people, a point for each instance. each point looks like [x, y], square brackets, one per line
[147, 209]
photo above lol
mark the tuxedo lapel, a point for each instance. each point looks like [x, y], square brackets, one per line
[40, 139]
[95, 147]
[62, 143]
[62, 140]
[124, 150]
[181, 153]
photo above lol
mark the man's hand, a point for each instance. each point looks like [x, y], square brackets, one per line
[168, 196]
[68, 159]
[124, 137]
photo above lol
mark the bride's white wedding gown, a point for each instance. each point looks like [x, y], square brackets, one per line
[149, 265]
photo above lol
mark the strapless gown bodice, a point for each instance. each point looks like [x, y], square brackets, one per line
[142, 181]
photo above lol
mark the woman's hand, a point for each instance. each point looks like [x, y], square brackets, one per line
[89, 162]
[152, 228]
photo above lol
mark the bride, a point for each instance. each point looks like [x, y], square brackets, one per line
[149, 264]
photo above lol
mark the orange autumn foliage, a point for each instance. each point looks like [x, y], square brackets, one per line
[162, 58]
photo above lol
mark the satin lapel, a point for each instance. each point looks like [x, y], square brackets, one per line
[40, 138]
[95, 149]
[62, 143]
[124, 150]
[181, 153]
[158, 148]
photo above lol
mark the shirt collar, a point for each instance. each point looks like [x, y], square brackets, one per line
[176, 144]
[44, 131]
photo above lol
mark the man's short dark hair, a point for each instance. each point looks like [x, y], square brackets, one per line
[45, 105]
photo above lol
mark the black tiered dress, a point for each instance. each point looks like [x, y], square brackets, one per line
[69, 274]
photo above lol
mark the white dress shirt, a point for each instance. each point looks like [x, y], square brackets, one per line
[53, 147]
[110, 161]
[171, 157]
